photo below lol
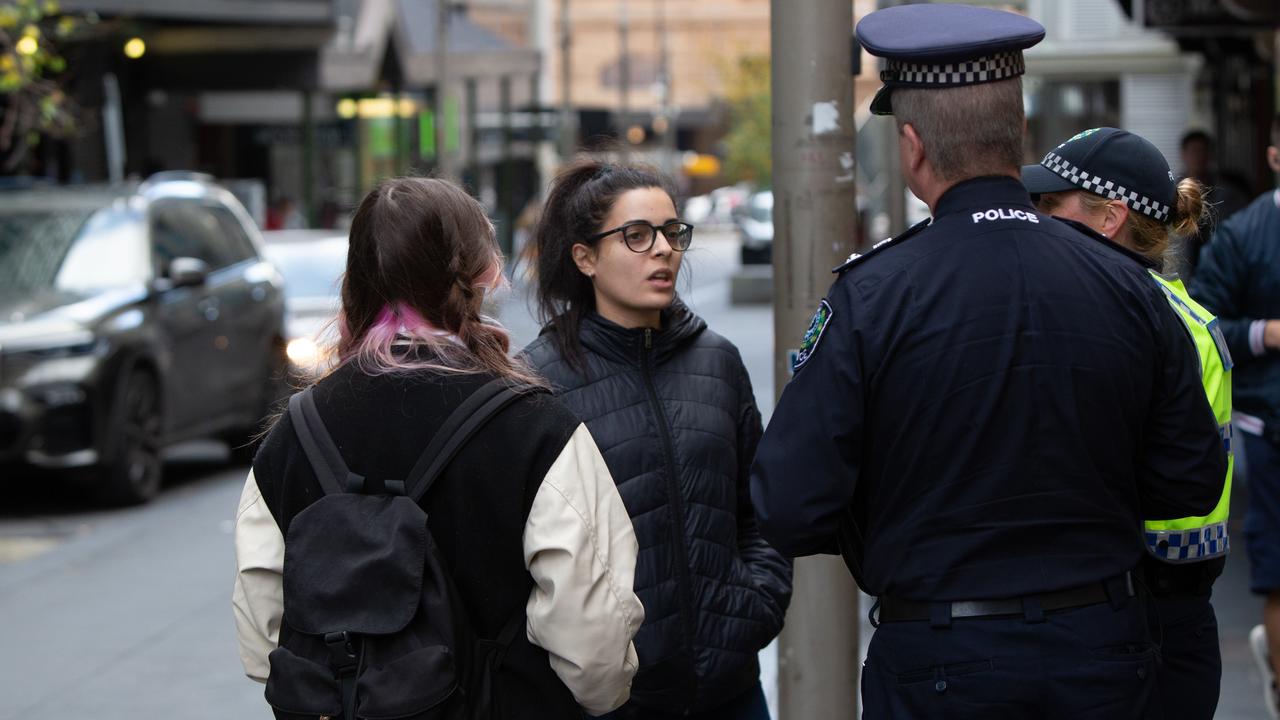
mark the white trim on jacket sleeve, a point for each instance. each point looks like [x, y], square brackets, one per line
[581, 550]
[258, 595]
[1257, 333]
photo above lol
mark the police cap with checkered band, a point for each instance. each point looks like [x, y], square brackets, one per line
[942, 46]
[1112, 163]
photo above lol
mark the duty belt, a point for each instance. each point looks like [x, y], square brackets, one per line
[1115, 591]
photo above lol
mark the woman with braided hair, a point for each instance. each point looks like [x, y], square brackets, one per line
[525, 517]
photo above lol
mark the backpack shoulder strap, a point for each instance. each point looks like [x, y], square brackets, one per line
[321, 451]
[457, 429]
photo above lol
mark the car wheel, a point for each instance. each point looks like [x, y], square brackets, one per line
[132, 471]
[760, 256]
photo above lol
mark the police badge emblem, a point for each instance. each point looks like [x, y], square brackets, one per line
[811, 336]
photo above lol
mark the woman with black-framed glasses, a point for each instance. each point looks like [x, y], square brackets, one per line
[670, 404]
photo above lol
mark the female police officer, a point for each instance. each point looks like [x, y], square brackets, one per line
[1120, 186]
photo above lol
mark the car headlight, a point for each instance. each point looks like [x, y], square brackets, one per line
[303, 351]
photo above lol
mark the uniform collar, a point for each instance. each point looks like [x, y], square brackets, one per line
[983, 192]
[1139, 258]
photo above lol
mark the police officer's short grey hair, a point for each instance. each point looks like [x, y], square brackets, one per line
[967, 131]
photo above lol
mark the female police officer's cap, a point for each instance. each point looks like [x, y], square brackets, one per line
[1112, 163]
[940, 46]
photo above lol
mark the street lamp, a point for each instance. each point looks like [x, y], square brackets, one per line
[135, 48]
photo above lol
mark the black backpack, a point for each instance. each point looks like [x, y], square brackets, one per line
[373, 625]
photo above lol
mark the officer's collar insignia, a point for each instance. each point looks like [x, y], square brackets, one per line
[811, 336]
[887, 242]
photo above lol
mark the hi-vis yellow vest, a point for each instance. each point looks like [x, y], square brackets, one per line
[1197, 538]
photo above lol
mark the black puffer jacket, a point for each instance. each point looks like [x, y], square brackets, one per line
[673, 413]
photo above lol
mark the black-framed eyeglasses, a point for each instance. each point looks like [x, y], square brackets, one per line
[640, 236]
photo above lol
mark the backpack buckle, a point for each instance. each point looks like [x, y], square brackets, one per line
[342, 653]
[360, 484]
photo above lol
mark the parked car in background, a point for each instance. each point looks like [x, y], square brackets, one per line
[132, 318]
[716, 208]
[754, 219]
[312, 263]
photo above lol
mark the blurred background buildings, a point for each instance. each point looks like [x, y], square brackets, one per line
[301, 105]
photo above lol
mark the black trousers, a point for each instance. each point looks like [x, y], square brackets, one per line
[1190, 675]
[1094, 662]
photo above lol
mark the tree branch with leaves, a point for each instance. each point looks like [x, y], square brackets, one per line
[748, 145]
[32, 99]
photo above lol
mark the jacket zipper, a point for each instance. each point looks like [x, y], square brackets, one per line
[673, 494]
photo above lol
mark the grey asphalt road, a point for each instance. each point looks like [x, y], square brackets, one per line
[123, 613]
[126, 613]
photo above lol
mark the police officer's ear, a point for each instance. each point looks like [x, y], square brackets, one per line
[910, 147]
[585, 257]
[1113, 217]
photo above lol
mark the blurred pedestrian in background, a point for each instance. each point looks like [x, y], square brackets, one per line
[1239, 281]
[1080, 180]
[526, 515]
[284, 215]
[1225, 193]
[983, 409]
[670, 403]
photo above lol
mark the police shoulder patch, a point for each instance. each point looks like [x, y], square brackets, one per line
[811, 336]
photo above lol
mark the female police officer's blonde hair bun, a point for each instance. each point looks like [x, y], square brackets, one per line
[1190, 207]
[1150, 237]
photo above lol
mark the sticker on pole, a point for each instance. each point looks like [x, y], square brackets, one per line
[809, 344]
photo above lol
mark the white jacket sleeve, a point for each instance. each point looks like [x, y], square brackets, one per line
[581, 550]
[258, 595]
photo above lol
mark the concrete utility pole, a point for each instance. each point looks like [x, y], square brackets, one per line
[444, 164]
[666, 81]
[624, 82]
[568, 129]
[814, 216]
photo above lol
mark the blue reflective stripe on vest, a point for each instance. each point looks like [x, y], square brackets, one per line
[1173, 297]
[1220, 341]
[1189, 545]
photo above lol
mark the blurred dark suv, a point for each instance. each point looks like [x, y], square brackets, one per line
[131, 318]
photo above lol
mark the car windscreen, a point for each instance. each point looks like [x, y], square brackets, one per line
[310, 269]
[71, 249]
[761, 207]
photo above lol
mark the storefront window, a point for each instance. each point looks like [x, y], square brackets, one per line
[1058, 109]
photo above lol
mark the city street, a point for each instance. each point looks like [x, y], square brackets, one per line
[126, 613]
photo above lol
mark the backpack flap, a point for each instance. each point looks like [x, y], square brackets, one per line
[354, 563]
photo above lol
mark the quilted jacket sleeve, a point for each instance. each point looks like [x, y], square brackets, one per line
[770, 571]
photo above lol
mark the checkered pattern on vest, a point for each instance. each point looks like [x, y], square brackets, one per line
[1189, 545]
[970, 72]
[1096, 185]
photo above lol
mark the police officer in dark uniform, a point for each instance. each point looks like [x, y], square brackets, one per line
[984, 410]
